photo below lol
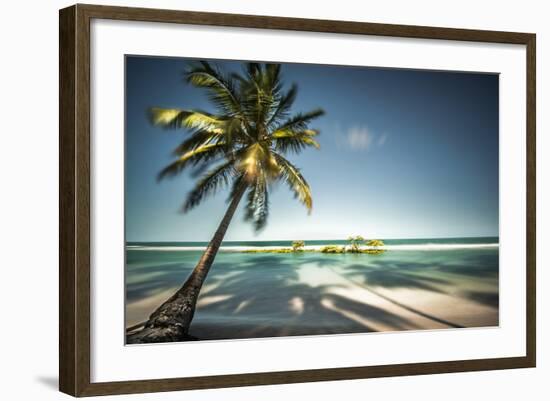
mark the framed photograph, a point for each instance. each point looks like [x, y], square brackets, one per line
[250, 200]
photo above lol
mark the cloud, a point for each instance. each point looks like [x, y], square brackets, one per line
[358, 138]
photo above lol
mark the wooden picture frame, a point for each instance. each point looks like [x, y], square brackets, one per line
[74, 200]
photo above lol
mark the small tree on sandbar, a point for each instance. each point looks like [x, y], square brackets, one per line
[355, 243]
[298, 246]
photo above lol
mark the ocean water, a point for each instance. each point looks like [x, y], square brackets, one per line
[417, 284]
[413, 244]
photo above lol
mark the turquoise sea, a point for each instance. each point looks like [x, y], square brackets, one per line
[416, 284]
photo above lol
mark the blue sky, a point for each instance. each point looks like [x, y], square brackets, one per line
[404, 154]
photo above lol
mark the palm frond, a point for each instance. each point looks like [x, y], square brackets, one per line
[231, 133]
[284, 104]
[253, 70]
[235, 132]
[288, 140]
[198, 170]
[295, 181]
[257, 159]
[272, 74]
[197, 138]
[215, 179]
[257, 206]
[192, 119]
[222, 90]
[300, 121]
[260, 88]
[200, 154]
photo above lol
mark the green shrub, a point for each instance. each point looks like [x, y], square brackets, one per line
[375, 243]
[298, 246]
[333, 249]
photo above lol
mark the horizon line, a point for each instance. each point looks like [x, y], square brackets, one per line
[322, 239]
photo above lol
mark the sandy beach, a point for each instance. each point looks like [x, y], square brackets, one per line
[267, 295]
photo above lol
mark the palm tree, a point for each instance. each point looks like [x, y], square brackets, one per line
[355, 243]
[242, 147]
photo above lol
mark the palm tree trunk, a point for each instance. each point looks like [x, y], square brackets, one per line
[171, 320]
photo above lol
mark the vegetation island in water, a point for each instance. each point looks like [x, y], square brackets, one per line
[355, 246]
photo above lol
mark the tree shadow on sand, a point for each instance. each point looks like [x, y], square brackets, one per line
[266, 299]
[456, 279]
[483, 297]
[146, 277]
[374, 276]
[264, 295]
[394, 276]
